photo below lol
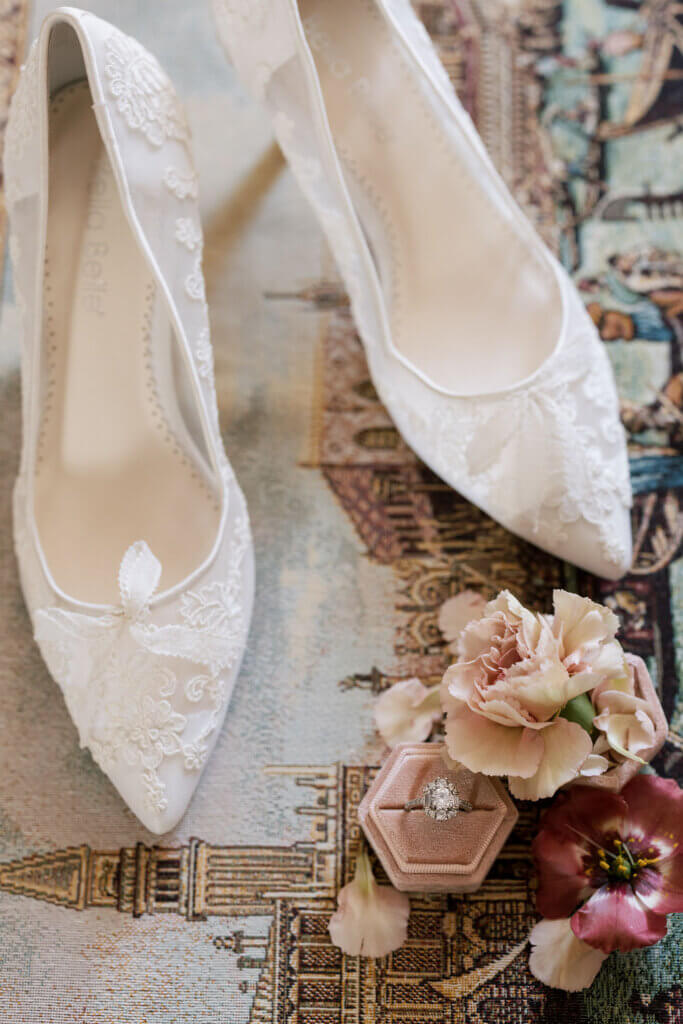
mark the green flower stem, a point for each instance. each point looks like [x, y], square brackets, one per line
[580, 710]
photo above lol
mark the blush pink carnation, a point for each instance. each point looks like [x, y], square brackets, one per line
[516, 672]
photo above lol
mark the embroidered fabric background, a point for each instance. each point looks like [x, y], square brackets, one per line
[357, 546]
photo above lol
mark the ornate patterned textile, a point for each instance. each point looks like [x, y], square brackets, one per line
[225, 920]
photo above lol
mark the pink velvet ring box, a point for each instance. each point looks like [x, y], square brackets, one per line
[423, 855]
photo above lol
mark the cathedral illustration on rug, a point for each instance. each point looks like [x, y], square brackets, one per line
[450, 954]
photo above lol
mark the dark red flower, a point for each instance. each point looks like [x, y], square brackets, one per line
[613, 862]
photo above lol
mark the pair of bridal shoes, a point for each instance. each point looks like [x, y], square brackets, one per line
[131, 531]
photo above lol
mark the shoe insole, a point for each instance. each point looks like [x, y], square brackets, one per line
[472, 304]
[115, 462]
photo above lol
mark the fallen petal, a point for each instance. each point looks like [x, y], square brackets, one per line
[371, 920]
[406, 712]
[559, 959]
[457, 612]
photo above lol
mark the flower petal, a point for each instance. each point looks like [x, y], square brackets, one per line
[627, 734]
[581, 621]
[406, 712]
[497, 709]
[371, 920]
[595, 764]
[608, 669]
[559, 959]
[459, 682]
[477, 637]
[655, 811]
[655, 819]
[615, 919]
[514, 611]
[485, 746]
[623, 681]
[457, 612]
[660, 888]
[562, 879]
[565, 747]
[543, 687]
[586, 812]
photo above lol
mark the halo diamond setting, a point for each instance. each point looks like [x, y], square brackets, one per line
[440, 800]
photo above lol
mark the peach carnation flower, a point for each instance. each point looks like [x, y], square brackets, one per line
[516, 673]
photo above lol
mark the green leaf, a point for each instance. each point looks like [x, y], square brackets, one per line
[580, 710]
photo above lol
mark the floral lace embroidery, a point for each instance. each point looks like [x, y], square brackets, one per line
[188, 233]
[119, 686]
[537, 456]
[203, 353]
[139, 726]
[143, 93]
[124, 675]
[183, 186]
[213, 608]
[22, 128]
[570, 413]
[194, 282]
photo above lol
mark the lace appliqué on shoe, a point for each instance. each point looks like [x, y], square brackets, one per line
[188, 233]
[143, 94]
[203, 354]
[181, 185]
[194, 282]
[116, 670]
[22, 129]
[561, 435]
[538, 455]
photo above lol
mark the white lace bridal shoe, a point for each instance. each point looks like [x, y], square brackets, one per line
[477, 341]
[131, 532]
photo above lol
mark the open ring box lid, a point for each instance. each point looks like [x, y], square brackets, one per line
[423, 855]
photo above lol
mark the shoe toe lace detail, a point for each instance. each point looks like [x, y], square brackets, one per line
[144, 686]
[541, 458]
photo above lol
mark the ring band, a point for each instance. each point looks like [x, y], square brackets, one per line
[439, 800]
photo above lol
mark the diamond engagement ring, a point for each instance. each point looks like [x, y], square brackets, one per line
[439, 800]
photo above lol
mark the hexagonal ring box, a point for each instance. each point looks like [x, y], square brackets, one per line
[418, 853]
